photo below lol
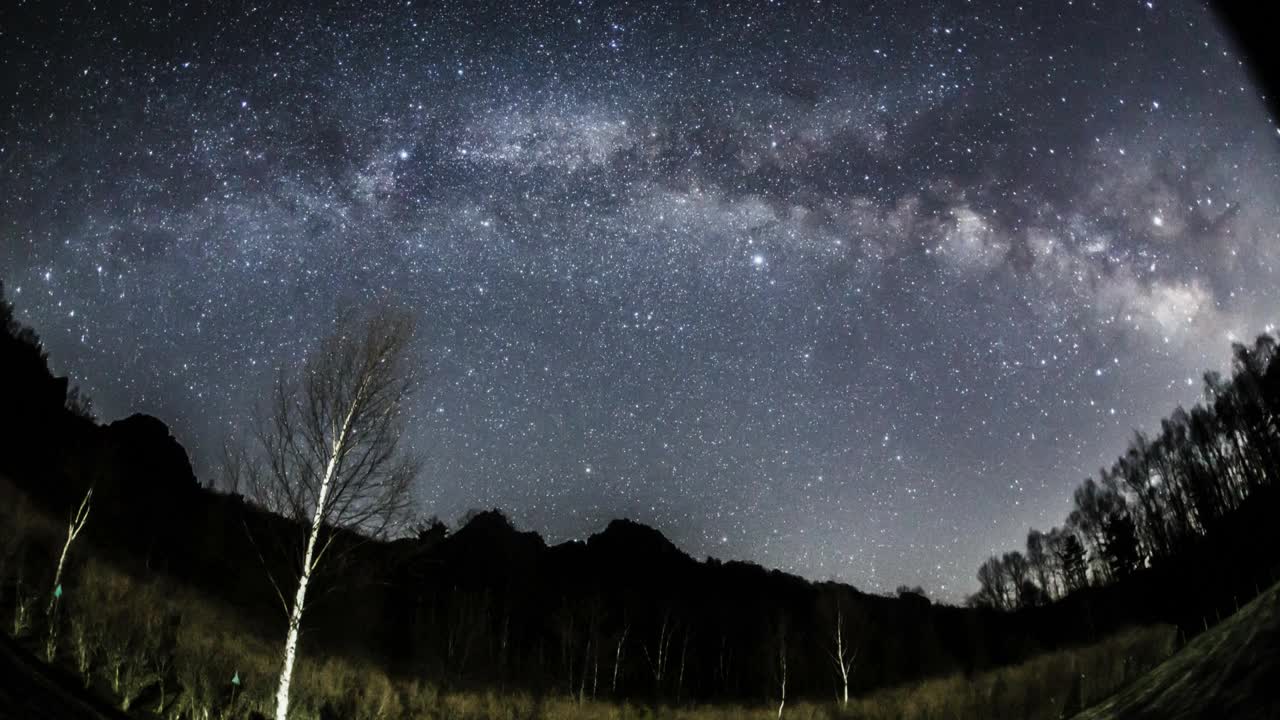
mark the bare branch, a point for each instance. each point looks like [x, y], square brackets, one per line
[326, 450]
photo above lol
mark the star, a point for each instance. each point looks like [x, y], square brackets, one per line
[945, 252]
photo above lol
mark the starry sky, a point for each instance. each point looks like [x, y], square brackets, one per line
[859, 292]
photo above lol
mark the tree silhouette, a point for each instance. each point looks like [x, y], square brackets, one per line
[1070, 553]
[326, 452]
[1164, 492]
[1121, 545]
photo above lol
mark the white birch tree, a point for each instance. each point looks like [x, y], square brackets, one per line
[326, 453]
[617, 654]
[74, 526]
[842, 653]
[780, 671]
[661, 652]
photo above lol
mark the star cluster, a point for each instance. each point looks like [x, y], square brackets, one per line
[854, 290]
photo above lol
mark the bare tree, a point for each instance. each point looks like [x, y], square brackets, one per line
[84, 642]
[326, 451]
[1040, 561]
[591, 659]
[617, 654]
[684, 651]
[842, 652]
[992, 588]
[724, 661]
[780, 670]
[782, 676]
[1016, 573]
[662, 650]
[74, 526]
[22, 603]
[467, 618]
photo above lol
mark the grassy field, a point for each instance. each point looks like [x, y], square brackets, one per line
[154, 648]
[1230, 671]
[113, 638]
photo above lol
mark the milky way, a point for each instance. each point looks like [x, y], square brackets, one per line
[856, 294]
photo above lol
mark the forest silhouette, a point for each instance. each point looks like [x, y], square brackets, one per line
[1178, 532]
[1164, 498]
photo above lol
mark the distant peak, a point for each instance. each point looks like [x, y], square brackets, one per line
[633, 534]
[488, 521]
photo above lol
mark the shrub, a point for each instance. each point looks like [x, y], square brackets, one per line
[86, 640]
[24, 601]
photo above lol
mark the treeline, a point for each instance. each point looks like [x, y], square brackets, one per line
[158, 648]
[1161, 497]
[624, 616]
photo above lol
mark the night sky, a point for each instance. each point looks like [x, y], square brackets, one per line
[859, 294]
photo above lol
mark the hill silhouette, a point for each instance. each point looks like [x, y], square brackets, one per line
[1228, 672]
[491, 606]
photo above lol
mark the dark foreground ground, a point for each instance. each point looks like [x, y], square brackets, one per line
[32, 690]
[1231, 671]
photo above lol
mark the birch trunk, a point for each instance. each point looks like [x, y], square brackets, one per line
[324, 453]
[73, 530]
[295, 623]
[308, 565]
[782, 701]
[617, 659]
